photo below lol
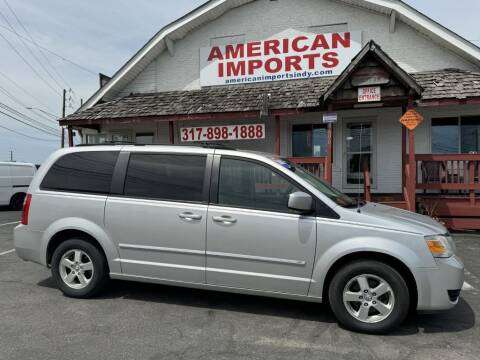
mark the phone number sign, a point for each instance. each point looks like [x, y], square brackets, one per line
[223, 133]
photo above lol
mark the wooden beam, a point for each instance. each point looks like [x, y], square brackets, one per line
[171, 132]
[449, 102]
[179, 117]
[412, 179]
[70, 136]
[277, 135]
[393, 20]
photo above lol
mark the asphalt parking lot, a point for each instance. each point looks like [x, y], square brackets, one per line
[141, 321]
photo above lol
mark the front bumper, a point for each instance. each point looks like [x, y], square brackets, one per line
[435, 285]
[28, 244]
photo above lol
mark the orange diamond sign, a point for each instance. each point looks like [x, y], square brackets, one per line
[411, 119]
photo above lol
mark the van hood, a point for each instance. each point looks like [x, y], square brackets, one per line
[396, 219]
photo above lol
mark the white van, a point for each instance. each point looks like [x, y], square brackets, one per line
[15, 179]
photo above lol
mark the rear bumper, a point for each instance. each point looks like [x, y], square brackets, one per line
[28, 244]
[436, 285]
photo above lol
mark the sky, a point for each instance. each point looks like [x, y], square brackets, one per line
[99, 36]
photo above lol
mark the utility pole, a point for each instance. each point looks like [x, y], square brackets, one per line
[11, 155]
[63, 115]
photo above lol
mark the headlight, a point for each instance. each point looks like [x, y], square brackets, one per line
[440, 246]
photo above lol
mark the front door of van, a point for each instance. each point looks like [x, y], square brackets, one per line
[159, 223]
[253, 240]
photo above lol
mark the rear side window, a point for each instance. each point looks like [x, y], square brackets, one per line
[85, 172]
[166, 177]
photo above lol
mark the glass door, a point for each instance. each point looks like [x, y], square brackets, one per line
[359, 152]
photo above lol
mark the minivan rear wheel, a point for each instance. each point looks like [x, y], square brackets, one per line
[79, 268]
[16, 202]
[369, 296]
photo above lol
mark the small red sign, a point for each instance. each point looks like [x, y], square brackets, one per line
[411, 119]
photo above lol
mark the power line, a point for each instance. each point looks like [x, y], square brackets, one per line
[29, 50]
[56, 54]
[35, 43]
[19, 102]
[28, 64]
[24, 90]
[29, 119]
[28, 124]
[25, 135]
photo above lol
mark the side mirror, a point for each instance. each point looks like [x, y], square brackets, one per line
[300, 201]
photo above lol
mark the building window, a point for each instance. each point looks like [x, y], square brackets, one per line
[455, 135]
[144, 138]
[445, 139]
[359, 151]
[309, 140]
[95, 139]
[470, 134]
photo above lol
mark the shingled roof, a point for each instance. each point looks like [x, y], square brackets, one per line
[293, 94]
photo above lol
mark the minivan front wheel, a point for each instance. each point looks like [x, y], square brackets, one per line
[369, 296]
[79, 268]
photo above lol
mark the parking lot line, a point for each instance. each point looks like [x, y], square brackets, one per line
[7, 252]
[10, 223]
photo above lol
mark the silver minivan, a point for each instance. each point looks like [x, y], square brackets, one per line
[214, 218]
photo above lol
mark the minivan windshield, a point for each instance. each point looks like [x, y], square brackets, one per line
[333, 194]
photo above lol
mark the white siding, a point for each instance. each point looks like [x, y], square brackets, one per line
[263, 19]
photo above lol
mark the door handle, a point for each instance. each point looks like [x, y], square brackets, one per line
[225, 219]
[189, 216]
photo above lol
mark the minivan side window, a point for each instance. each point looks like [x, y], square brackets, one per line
[84, 172]
[166, 177]
[246, 184]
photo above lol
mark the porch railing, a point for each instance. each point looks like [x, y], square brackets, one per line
[458, 173]
[315, 165]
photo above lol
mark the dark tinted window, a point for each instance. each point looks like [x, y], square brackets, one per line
[445, 136]
[470, 134]
[89, 172]
[166, 177]
[246, 184]
[309, 140]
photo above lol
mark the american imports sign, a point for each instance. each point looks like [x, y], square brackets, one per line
[300, 57]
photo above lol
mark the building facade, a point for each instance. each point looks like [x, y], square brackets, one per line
[322, 82]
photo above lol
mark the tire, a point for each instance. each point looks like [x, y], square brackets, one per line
[372, 313]
[16, 202]
[79, 269]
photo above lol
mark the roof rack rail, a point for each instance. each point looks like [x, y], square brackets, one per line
[206, 145]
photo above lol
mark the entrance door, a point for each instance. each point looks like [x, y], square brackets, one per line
[159, 223]
[359, 153]
[253, 240]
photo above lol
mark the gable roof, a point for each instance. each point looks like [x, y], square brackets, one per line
[372, 48]
[213, 9]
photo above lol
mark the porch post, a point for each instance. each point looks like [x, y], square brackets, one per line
[70, 136]
[277, 135]
[171, 133]
[329, 160]
[412, 164]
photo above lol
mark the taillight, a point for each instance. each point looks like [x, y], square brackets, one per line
[26, 209]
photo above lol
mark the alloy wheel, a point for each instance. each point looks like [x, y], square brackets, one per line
[369, 298]
[76, 269]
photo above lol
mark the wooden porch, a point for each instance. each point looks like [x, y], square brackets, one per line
[446, 187]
